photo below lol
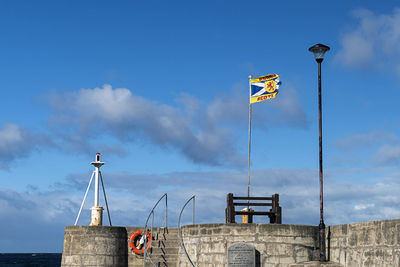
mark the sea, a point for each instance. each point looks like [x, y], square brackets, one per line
[30, 259]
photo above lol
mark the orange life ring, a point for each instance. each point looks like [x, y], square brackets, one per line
[134, 238]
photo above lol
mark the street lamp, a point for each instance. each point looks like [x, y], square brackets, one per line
[319, 50]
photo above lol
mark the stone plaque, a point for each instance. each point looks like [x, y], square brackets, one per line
[241, 255]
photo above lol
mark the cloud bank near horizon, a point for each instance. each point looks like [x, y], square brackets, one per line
[346, 201]
[377, 148]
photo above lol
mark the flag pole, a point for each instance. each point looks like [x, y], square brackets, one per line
[248, 162]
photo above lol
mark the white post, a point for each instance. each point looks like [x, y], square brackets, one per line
[97, 211]
[248, 161]
[96, 186]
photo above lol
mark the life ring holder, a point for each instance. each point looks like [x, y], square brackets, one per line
[134, 238]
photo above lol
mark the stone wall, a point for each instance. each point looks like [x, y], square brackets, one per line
[370, 244]
[94, 246]
[275, 244]
[102, 246]
[365, 244]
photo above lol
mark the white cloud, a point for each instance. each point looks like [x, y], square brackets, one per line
[388, 154]
[363, 206]
[377, 148]
[374, 42]
[356, 50]
[17, 142]
[285, 110]
[203, 133]
[120, 113]
[363, 140]
[77, 144]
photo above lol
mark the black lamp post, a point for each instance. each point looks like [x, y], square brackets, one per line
[319, 50]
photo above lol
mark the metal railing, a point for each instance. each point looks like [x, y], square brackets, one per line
[179, 228]
[151, 214]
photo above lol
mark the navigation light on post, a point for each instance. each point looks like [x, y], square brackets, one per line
[97, 211]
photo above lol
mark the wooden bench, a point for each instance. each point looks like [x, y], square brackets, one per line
[274, 214]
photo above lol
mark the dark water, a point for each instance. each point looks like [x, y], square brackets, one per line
[30, 259]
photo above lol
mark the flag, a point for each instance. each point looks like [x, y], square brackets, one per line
[264, 87]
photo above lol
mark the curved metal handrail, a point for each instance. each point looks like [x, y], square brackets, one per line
[179, 228]
[151, 229]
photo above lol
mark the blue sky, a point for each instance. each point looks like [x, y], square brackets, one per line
[161, 90]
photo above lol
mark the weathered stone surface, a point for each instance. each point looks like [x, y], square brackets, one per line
[275, 245]
[366, 244]
[351, 245]
[360, 244]
[94, 246]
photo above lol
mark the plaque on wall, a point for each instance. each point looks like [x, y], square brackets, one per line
[241, 255]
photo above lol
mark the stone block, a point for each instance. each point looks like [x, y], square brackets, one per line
[286, 260]
[353, 239]
[242, 238]
[366, 237]
[277, 249]
[272, 260]
[303, 252]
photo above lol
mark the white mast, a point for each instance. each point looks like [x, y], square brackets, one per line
[97, 211]
[248, 160]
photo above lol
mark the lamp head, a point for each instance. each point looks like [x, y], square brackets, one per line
[319, 50]
[97, 157]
